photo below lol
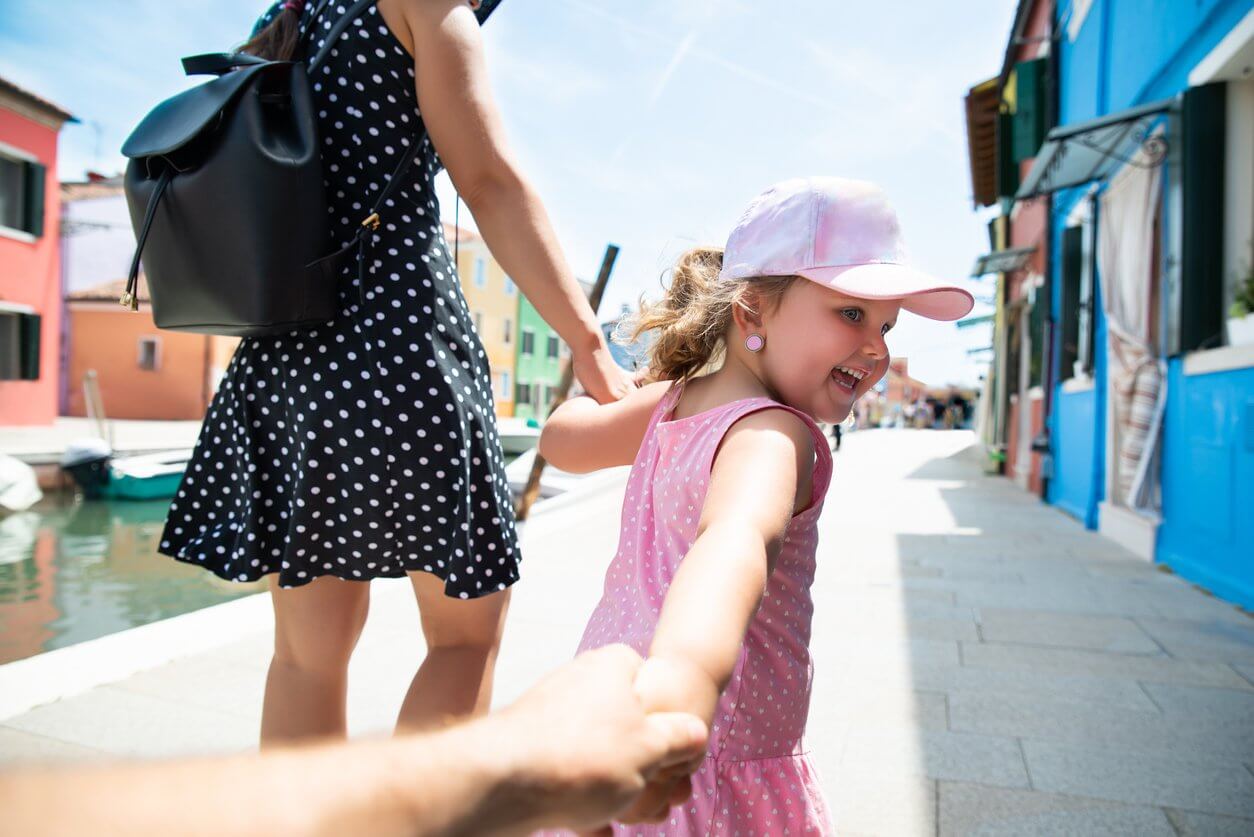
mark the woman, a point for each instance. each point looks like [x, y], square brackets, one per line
[367, 447]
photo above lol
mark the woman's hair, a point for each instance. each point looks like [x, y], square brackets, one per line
[690, 324]
[278, 40]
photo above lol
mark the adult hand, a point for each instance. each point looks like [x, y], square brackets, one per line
[585, 747]
[600, 376]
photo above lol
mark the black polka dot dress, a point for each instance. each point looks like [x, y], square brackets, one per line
[366, 447]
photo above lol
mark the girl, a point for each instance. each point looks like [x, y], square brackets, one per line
[729, 469]
[367, 447]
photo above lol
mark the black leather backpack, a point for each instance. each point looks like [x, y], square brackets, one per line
[225, 192]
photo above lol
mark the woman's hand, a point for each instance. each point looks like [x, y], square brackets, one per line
[600, 376]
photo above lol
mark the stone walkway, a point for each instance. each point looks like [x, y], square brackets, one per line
[982, 663]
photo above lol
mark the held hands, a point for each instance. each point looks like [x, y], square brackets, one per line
[589, 751]
[600, 376]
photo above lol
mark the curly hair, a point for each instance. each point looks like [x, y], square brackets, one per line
[690, 324]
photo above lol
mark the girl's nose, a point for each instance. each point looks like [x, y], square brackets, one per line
[876, 348]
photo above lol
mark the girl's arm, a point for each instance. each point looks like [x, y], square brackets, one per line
[582, 435]
[761, 477]
[457, 106]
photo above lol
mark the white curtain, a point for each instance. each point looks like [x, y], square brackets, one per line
[1125, 251]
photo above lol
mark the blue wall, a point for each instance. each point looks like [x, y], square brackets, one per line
[1207, 534]
[1130, 52]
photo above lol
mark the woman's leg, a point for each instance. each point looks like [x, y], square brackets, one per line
[463, 637]
[315, 630]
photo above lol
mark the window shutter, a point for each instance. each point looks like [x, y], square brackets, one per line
[1202, 241]
[35, 179]
[28, 334]
[1007, 168]
[1029, 118]
[1072, 276]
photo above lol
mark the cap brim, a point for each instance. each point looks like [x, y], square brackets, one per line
[918, 292]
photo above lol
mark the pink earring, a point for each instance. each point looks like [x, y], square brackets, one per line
[755, 342]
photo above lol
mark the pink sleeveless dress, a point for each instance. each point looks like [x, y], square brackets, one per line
[757, 778]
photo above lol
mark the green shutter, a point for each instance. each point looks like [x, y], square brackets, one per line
[1029, 118]
[36, 176]
[1203, 125]
[1069, 319]
[28, 336]
[1007, 167]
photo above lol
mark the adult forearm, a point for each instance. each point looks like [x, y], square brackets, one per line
[440, 784]
[516, 227]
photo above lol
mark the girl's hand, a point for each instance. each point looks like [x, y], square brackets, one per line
[600, 376]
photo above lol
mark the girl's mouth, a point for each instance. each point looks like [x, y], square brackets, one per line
[847, 377]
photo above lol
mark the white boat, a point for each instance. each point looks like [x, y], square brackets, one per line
[19, 488]
[518, 435]
[552, 481]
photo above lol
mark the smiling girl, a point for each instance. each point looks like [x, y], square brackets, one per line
[729, 470]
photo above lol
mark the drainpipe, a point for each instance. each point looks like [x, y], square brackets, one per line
[1052, 106]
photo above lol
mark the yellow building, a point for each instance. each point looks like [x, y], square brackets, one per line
[493, 301]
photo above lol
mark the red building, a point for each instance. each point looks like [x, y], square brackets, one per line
[30, 260]
[1007, 118]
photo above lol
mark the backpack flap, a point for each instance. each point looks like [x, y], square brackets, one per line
[179, 120]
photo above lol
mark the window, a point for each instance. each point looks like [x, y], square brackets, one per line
[1199, 309]
[552, 346]
[21, 193]
[1038, 315]
[535, 396]
[1076, 319]
[528, 342]
[509, 330]
[522, 394]
[479, 322]
[19, 343]
[481, 278]
[150, 353]
[506, 388]
[510, 288]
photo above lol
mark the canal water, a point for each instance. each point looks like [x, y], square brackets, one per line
[73, 570]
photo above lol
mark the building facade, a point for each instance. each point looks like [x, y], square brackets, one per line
[1148, 171]
[493, 301]
[30, 257]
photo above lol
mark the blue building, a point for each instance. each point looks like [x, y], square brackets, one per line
[1149, 174]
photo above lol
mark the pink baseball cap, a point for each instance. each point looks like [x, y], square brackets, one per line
[842, 234]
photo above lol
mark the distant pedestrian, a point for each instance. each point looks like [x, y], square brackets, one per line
[836, 434]
[729, 472]
[368, 447]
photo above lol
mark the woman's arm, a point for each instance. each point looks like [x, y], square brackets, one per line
[457, 106]
[761, 477]
[582, 435]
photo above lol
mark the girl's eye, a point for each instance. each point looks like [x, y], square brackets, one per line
[854, 315]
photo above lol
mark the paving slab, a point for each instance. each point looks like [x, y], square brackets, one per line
[1171, 780]
[1194, 824]
[1066, 630]
[968, 810]
[1221, 640]
[1118, 728]
[1154, 669]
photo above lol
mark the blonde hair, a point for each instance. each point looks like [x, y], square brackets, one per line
[690, 324]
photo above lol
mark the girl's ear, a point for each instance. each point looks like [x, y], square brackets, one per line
[747, 311]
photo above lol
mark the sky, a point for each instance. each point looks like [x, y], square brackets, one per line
[649, 123]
